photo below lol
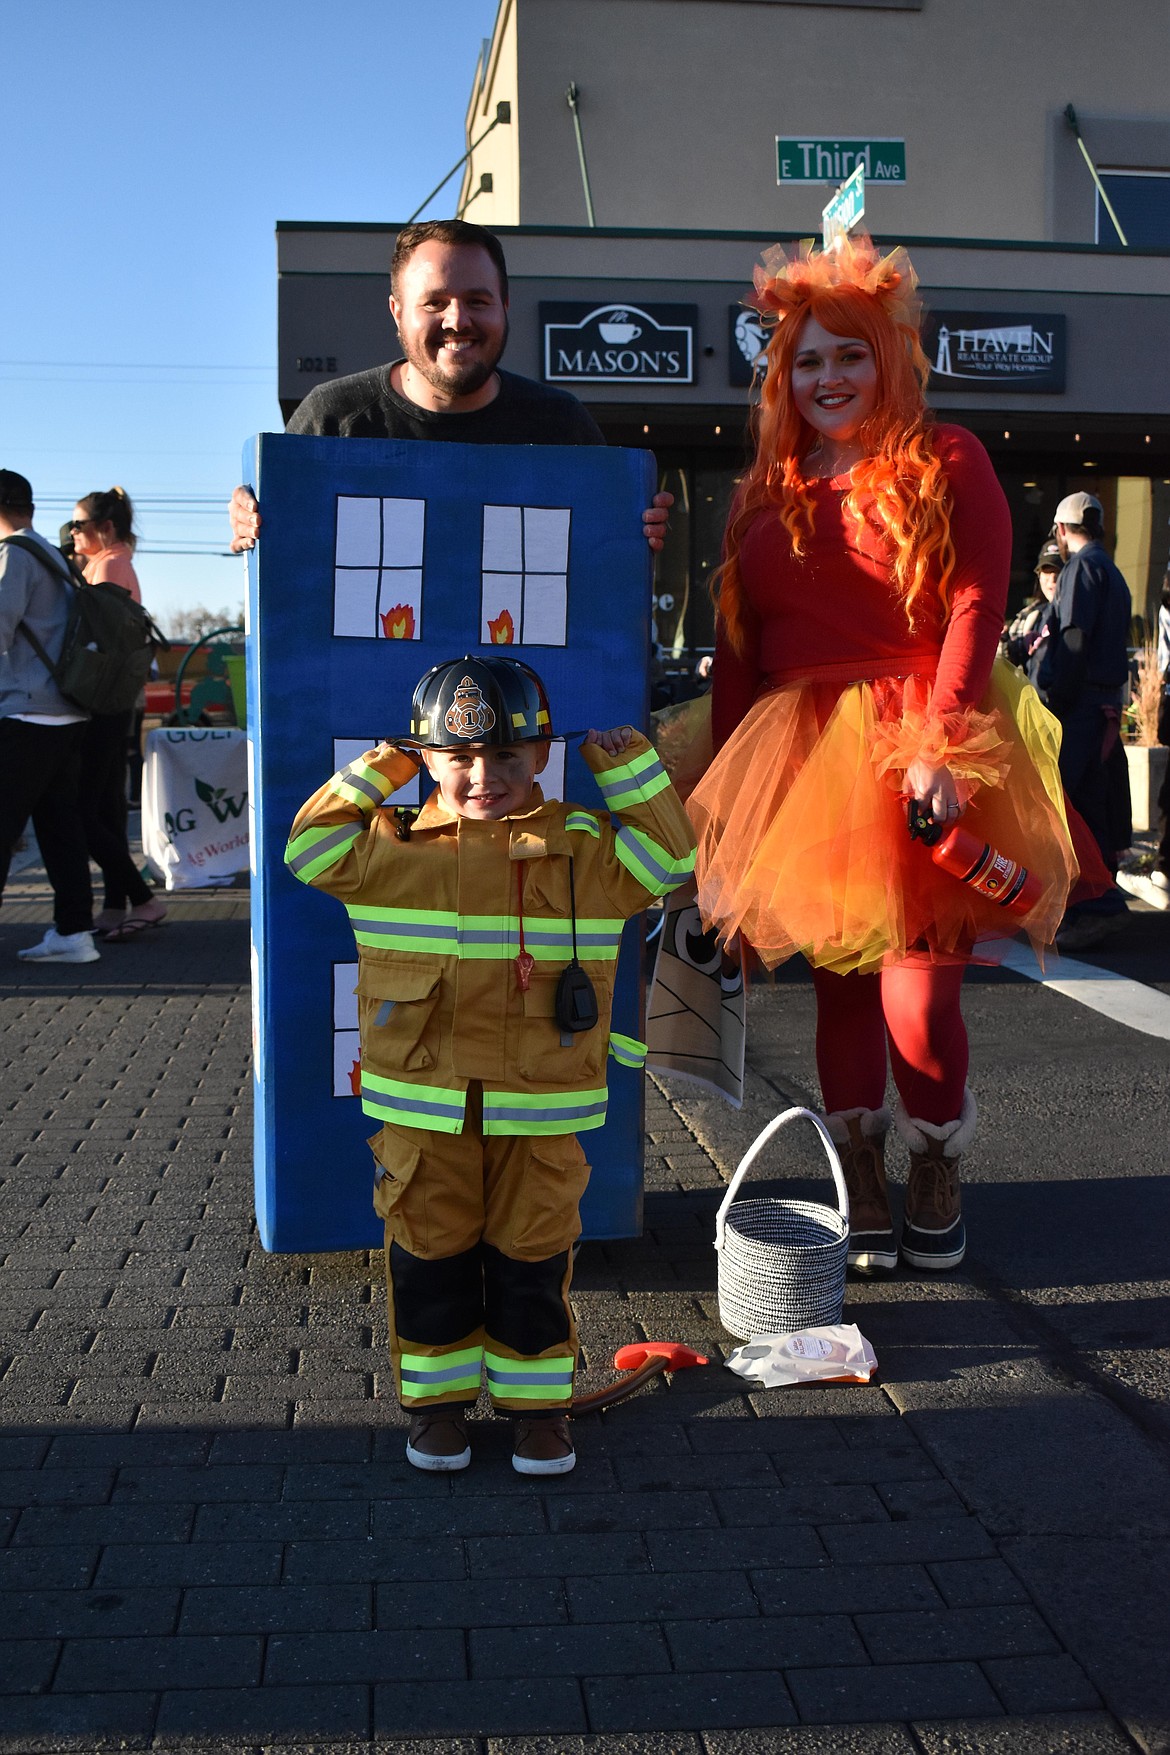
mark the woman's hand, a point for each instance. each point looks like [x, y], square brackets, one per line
[612, 742]
[935, 790]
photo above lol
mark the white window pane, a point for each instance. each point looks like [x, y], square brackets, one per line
[402, 532]
[503, 550]
[359, 533]
[552, 781]
[400, 605]
[546, 539]
[500, 606]
[355, 603]
[545, 610]
[346, 1063]
[345, 1006]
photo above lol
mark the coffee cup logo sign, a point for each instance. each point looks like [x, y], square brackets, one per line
[995, 351]
[618, 344]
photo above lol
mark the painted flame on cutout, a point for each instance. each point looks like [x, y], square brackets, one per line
[398, 623]
[355, 1078]
[503, 629]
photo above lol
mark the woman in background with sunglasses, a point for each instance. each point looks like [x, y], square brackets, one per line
[102, 528]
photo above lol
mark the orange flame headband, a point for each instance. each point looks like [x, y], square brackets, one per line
[785, 284]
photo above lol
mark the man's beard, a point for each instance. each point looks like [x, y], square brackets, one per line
[459, 377]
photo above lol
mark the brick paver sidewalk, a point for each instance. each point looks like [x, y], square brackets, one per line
[213, 1541]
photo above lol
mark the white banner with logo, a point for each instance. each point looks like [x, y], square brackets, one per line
[195, 819]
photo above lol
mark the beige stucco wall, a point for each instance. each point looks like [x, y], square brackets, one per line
[681, 101]
[500, 152]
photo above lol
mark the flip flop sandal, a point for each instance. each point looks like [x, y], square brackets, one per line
[130, 928]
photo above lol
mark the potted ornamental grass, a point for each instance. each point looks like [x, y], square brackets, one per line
[1145, 755]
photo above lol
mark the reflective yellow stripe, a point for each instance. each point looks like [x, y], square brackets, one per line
[361, 785]
[315, 850]
[516, 1112]
[436, 1108]
[437, 1374]
[643, 857]
[482, 937]
[544, 1380]
[627, 1050]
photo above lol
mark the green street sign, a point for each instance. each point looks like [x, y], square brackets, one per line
[830, 160]
[845, 207]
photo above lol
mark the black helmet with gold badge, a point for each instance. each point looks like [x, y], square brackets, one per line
[469, 701]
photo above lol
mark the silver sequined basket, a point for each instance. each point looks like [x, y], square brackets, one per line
[781, 1262]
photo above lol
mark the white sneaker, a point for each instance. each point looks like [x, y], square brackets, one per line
[56, 947]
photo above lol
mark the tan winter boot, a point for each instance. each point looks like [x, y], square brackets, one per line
[933, 1236]
[860, 1138]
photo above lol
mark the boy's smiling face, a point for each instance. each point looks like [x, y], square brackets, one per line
[486, 782]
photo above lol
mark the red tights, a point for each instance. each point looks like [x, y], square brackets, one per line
[914, 1008]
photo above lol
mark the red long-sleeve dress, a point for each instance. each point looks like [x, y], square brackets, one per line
[801, 819]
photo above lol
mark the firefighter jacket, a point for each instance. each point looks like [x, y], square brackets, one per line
[441, 916]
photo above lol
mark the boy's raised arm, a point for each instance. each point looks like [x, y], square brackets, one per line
[653, 843]
[327, 843]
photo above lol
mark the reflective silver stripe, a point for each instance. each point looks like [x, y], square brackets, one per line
[380, 1100]
[403, 929]
[520, 1375]
[340, 838]
[355, 776]
[562, 1112]
[444, 1375]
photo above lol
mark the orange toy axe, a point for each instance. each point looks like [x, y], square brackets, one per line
[643, 1360]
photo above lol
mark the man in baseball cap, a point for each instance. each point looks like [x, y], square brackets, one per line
[1083, 668]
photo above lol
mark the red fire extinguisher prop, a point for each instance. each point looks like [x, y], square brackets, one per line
[975, 862]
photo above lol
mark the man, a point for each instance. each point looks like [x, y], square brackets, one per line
[40, 731]
[1082, 670]
[449, 302]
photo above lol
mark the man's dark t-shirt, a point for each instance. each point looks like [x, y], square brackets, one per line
[366, 406]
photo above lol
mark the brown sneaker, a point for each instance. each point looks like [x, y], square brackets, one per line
[437, 1441]
[543, 1447]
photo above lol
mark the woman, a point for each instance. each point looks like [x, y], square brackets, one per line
[860, 602]
[102, 527]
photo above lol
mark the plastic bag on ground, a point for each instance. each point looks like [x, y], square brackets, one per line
[839, 1353]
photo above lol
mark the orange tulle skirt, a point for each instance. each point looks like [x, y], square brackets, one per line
[803, 844]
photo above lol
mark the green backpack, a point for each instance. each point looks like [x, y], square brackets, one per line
[110, 641]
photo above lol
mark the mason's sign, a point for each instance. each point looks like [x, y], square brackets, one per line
[993, 350]
[619, 344]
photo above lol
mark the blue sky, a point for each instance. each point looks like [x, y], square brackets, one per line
[150, 149]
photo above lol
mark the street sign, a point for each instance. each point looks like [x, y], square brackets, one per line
[828, 160]
[845, 208]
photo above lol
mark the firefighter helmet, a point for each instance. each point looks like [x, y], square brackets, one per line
[479, 701]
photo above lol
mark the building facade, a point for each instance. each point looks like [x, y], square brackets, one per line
[653, 149]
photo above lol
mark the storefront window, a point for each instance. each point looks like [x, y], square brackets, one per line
[684, 620]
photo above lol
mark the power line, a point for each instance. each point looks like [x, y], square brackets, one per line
[141, 365]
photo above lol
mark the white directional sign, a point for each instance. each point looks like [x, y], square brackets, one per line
[845, 207]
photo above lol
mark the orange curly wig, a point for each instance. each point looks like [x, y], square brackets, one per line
[850, 290]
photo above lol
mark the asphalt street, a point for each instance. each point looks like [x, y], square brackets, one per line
[211, 1541]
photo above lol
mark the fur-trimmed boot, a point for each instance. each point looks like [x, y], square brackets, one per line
[860, 1138]
[932, 1224]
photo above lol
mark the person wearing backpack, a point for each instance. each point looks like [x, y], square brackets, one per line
[102, 528]
[40, 730]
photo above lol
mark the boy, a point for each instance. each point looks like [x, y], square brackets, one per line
[469, 921]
